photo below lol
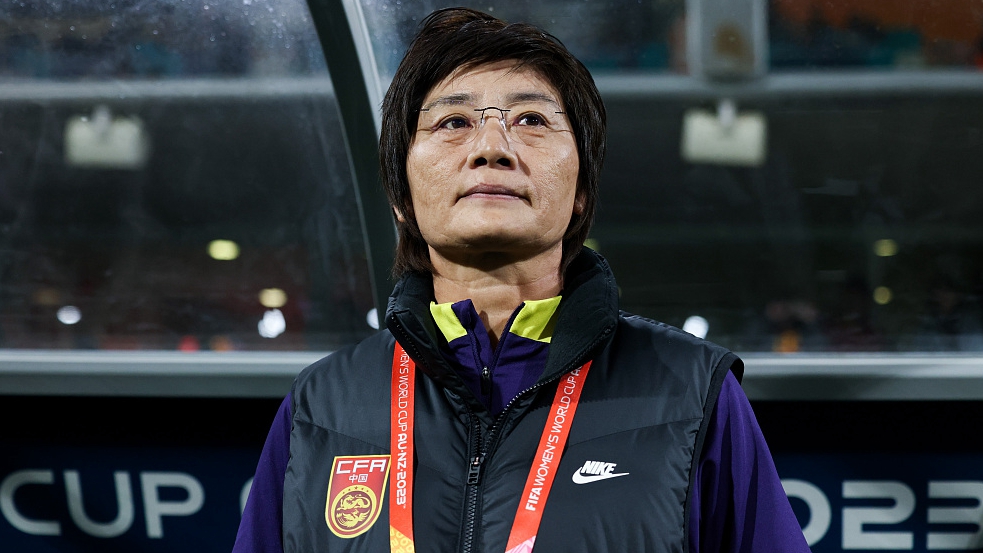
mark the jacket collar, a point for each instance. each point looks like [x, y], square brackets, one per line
[587, 315]
[585, 320]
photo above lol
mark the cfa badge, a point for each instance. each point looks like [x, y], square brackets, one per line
[355, 493]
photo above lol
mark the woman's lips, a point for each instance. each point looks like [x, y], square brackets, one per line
[488, 190]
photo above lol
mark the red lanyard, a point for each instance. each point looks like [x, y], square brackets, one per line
[401, 452]
[538, 483]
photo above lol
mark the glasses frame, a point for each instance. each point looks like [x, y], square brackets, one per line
[501, 119]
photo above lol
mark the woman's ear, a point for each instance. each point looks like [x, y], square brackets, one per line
[404, 213]
[579, 203]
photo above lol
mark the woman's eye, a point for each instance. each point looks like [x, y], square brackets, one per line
[454, 123]
[531, 119]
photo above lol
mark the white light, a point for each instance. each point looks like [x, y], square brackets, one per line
[885, 248]
[273, 324]
[697, 326]
[272, 297]
[883, 295]
[106, 141]
[69, 315]
[372, 317]
[726, 137]
[223, 250]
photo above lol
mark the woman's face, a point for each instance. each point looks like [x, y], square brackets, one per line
[499, 180]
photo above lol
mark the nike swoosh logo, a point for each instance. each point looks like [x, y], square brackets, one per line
[587, 479]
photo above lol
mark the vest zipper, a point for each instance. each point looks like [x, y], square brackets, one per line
[474, 472]
[476, 465]
[485, 381]
[473, 487]
[481, 454]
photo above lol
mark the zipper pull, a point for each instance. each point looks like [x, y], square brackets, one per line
[485, 381]
[474, 470]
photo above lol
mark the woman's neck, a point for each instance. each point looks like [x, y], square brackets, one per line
[495, 284]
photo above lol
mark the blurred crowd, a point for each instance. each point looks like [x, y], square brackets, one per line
[138, 38]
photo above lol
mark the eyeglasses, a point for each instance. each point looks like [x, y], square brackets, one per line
[530, 123]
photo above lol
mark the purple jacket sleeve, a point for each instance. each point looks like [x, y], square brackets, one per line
[739, 504]
[261, 528]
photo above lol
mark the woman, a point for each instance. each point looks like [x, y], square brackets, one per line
[509, 404]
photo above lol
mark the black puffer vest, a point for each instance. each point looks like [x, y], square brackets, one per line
[645, 407]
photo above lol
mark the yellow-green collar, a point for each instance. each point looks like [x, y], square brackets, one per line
[534, 320]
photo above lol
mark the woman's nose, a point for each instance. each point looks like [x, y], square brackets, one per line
[492, 144]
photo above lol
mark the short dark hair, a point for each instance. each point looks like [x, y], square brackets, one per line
[457, 38]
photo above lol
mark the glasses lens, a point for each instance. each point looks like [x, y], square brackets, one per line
[534, 122]
[528, 123]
